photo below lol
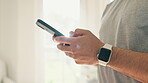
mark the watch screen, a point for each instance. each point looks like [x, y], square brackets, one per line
[104, 54]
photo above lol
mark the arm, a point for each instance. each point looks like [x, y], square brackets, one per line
[130, 63]
[84, 49]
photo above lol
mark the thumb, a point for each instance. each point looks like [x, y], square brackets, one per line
[81, 32]
[74, 34]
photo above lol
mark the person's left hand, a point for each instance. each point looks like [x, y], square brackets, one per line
[84, 46]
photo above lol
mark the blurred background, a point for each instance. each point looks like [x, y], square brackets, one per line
[28, 54]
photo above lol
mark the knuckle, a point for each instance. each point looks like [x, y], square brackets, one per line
[73, 51]
[75, 57]
[61, 38]
[67, 53]
[77, 30]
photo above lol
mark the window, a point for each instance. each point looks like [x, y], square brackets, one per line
[64, 15]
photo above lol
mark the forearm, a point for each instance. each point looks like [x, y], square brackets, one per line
[133, 64]
[83, 51]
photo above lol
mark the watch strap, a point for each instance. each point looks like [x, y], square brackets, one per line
[108, 46]
[102, 63]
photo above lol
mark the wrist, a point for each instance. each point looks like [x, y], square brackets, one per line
[98, 47]
[113, 59]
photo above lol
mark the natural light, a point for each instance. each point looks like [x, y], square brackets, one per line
[64, 16]
[30, 54]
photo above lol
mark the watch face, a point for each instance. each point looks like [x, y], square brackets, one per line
[104, 54]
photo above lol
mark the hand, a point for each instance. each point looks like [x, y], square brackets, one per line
[84, 46]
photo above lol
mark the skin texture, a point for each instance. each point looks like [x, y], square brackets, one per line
[84, 47]
[83, 52]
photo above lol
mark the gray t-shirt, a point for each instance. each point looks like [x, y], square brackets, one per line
[124, 25]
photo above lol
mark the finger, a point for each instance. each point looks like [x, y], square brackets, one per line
[65, 48]
[72, 55]
[74, 34]
[62, 39]
[81, 32]
[84, 62]
[53, 37]
[69, 54]
[80, 62]
[76, 57]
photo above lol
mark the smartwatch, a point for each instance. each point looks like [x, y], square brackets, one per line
[104, 54]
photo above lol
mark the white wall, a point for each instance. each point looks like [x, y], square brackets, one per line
[8, 35]
[18, 39]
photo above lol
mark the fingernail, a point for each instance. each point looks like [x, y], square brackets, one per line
[56, 39]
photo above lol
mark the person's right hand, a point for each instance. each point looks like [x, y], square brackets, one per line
[84, 46]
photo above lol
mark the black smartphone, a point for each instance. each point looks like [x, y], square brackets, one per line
[49, 29]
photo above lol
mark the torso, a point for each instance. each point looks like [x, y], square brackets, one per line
[124, 25]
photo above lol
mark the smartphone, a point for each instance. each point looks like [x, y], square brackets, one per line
[49, 29]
